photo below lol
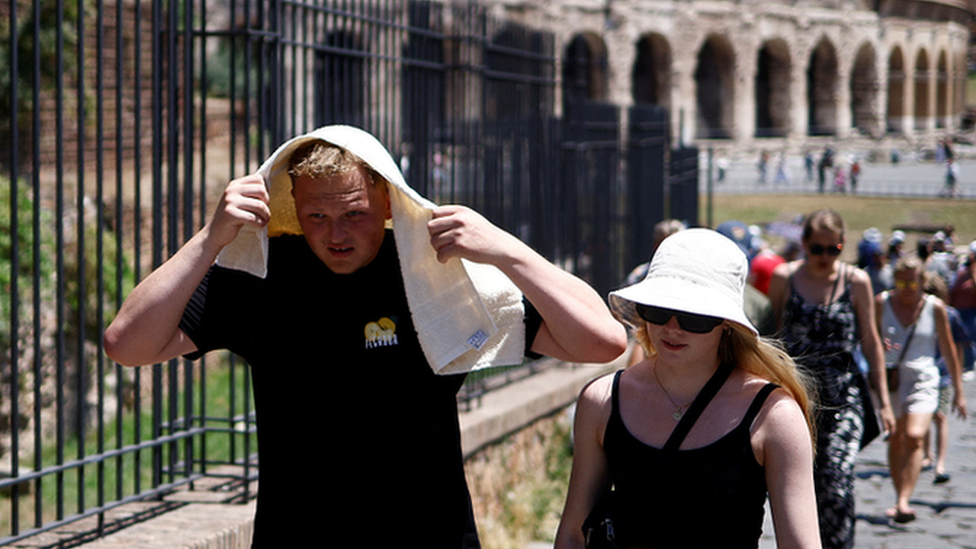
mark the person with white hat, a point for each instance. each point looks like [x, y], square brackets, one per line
[359, 306]
[681, 449]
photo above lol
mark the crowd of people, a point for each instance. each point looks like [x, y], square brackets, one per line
[758, 373]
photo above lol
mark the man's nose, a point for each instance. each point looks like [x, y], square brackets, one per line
[337, 231]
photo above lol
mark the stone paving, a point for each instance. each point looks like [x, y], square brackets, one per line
[946, 512]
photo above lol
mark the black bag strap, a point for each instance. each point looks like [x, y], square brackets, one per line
[701, 401]
[908, 341]
[908, 338]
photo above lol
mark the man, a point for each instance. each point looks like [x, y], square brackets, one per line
[358, 432]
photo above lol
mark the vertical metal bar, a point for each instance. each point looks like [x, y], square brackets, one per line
[100, 268]
[14, 272]
[172, 205]
[119, 242]
[80, 298]
[59, 238]
[137, 219]
[157, 204]
[188, 198]
[202, 212]
[36, 257]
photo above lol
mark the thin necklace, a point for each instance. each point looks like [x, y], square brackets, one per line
[678, 410]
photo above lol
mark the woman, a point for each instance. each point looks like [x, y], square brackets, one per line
[678, 481]
[824, 307]
[915, 327]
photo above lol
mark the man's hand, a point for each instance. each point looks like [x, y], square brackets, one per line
[576, 324]
[146, 329]
[457, 231]
[245, 202]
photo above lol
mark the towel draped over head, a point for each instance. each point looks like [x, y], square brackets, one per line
[467, 315]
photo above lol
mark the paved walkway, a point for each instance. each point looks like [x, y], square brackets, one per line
[946, 513]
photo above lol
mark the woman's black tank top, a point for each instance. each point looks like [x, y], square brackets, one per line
[704, 497]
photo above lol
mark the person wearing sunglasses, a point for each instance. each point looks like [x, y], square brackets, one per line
[825, 309]
[684, 446]
[916, 329]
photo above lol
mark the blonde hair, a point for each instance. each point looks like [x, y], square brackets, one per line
[760, 356]
[319, 159]
[908, 263]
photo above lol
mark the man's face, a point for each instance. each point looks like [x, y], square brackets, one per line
[342, 217]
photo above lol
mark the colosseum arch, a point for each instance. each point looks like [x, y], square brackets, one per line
[715, 89]
[585, 68]
[652, 71]
[773, 84]
[923, 83]
[864, 91]
[822, 81]
[943, 89]
[896, 91]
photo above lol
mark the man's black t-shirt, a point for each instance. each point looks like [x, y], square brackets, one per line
[359, 439]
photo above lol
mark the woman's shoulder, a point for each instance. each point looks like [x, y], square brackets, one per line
[598, 391]
[780, 420]
[753, 385]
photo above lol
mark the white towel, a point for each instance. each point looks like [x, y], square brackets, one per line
[467, 315]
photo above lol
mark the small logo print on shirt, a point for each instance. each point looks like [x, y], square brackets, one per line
[381, 333]
[478, 339]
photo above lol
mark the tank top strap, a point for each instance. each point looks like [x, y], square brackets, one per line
[757, 404]
[614, 398]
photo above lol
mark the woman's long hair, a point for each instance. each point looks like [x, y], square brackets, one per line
[766, 358]
[763, 357]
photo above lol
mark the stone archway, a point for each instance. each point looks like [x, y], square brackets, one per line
[585, 69]
[896, 91]
[715, 89]
[864, 92]
[772, 88]
[943, 89]
[822, 90]
[651, 76]
[922, 86]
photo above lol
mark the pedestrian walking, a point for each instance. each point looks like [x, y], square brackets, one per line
[936, 286]
[962, 296]
[855, 175]
[824, 309]
[783, 176]
[951, 177]
[298, 273]
[914, 326]
[693, 438]
[840, 180]
[763, 166]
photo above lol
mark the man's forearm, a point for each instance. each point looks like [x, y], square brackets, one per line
[146, 329]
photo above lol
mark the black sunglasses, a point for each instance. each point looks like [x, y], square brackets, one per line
[696, 324]
[833, 251]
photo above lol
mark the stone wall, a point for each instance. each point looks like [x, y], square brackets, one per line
[748, 71]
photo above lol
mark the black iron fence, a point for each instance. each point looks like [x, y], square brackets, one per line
[120, 121]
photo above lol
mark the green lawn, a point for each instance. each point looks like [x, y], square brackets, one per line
[859, 213]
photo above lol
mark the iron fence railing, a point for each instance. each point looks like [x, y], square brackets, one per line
[122, 120]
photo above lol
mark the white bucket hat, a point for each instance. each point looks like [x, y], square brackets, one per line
[696, 271]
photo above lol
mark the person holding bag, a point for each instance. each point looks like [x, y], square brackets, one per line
[682, 448]
[915, 327]
[825, 309]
